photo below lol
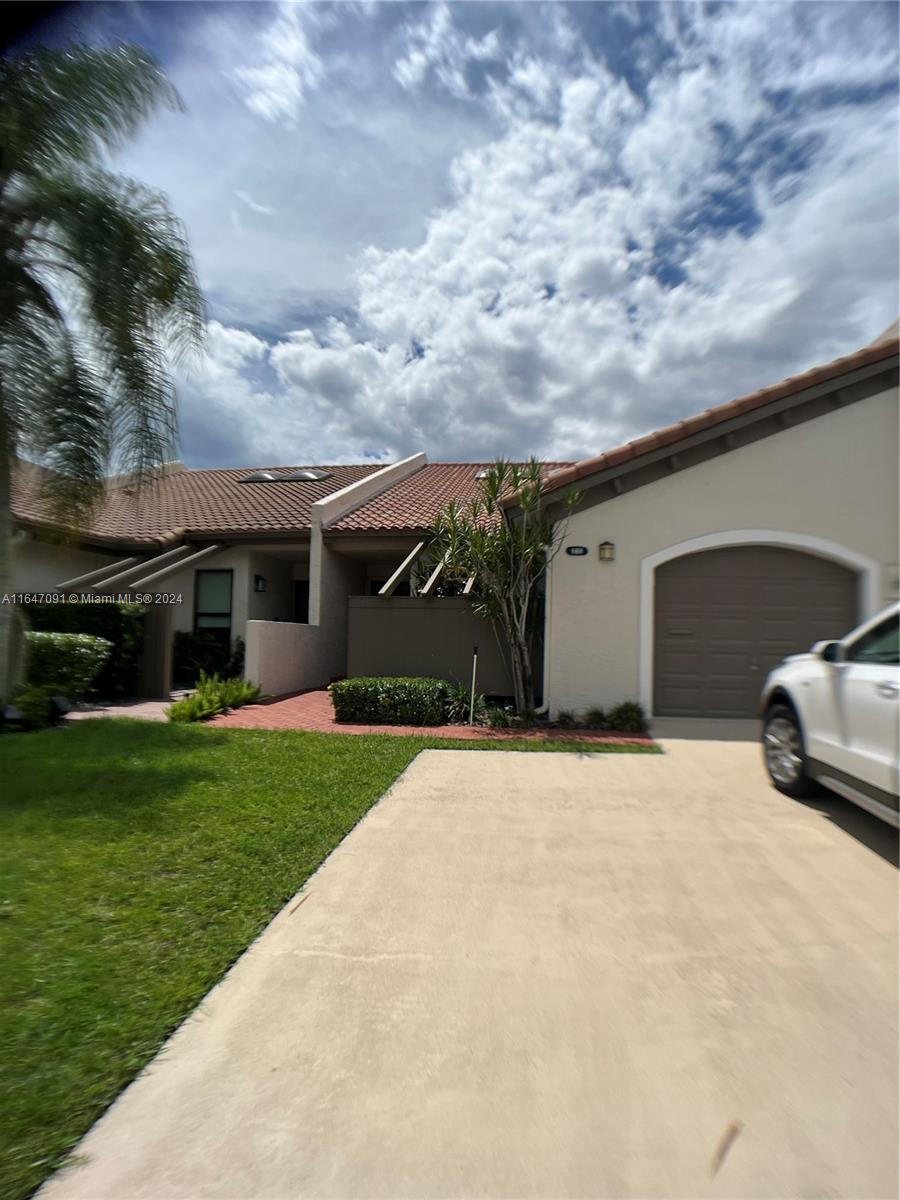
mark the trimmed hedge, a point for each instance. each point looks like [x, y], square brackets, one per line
[390, 700]
[67, 663]
[121, 624]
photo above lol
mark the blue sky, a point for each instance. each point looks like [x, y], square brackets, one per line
[486, 229]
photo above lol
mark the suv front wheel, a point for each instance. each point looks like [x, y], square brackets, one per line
[784, 754]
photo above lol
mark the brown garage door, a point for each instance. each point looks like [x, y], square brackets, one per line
[725, 617]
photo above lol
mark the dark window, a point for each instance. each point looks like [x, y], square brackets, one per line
[880, 645]
[301, 601]
[212, 602]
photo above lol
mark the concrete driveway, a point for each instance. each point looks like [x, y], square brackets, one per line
[546, 975]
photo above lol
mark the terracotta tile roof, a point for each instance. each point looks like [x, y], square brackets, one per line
[885, 347]
[414, 503]
[196, 502]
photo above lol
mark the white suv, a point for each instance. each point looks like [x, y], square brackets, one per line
[832, 717]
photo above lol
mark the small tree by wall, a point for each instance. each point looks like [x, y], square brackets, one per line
[507, 552]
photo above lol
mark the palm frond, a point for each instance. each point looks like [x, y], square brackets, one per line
[63, 105]
[32, 326]
[129, 250]
[67, 425]
[134, 290]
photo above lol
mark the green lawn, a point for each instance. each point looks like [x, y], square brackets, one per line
[137, 861]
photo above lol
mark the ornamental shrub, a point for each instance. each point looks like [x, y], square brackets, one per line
[500, 716]
[390, 700]
[456, 705]
[212, 696]
[37, 707]
[627, 717]
[205, 652]
[121, 624]
[67, 663]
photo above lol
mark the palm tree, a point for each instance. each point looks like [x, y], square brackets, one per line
[97, 287]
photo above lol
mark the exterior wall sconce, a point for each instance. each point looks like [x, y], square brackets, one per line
[607, 551]
[259, 583]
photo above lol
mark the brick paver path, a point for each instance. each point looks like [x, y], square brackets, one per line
[313, 711]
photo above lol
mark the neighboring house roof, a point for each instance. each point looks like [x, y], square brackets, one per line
[413, 504]
[216, 503]
[884, 347]
[196, 502]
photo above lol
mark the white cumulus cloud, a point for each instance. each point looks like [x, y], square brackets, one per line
[607, 257]
[277, 86]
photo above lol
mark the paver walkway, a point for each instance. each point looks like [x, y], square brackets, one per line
[545, 975]
[145, 710]
[314, 711]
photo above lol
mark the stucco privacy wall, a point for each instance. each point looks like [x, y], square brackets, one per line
[833, 478]
[422, 635]
[282, 657]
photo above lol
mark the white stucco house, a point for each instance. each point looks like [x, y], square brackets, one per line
[729, 540]
[697, 557]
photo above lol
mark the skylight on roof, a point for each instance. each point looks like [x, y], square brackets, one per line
[306, 475]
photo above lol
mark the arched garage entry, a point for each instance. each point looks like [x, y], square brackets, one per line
[855, 591]
[723, 618]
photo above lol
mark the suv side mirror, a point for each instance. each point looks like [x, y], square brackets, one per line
[829, 651]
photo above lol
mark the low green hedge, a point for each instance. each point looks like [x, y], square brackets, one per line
[67, 663]
[390, 700]
[213, 696]
[397, 700]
